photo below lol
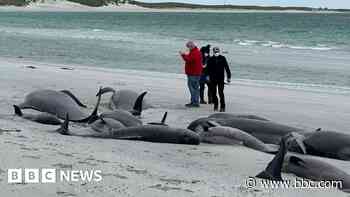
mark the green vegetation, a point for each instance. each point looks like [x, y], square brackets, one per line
[94, 3]
[173, 5]
[97, 3]
[13, 2]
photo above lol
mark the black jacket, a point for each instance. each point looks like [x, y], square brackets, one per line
[216, 67]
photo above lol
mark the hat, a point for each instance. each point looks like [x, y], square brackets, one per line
[216, 49]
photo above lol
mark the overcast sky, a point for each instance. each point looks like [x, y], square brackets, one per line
[307, 3]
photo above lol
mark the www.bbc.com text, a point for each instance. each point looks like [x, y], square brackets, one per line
[298, 183]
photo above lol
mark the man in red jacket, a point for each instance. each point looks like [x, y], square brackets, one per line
[193, 70]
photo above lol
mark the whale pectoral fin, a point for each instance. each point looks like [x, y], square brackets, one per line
[64, 129]
[70, 94]
[18, 111]
[212, 123]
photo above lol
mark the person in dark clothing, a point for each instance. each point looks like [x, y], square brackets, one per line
[204, 77]
[216, 67]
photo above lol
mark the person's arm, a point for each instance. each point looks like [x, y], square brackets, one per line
[208, 69]
[228, 71]
[187, 57]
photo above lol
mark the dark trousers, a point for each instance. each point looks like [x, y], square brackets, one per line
[202, 89]
[218, 86]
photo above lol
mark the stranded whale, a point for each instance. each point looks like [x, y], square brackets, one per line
[59, 104]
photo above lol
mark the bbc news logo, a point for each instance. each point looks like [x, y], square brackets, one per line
[49, 175]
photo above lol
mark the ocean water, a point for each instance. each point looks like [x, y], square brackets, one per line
[300, 50]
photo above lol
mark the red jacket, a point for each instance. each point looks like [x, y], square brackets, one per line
[193, 61]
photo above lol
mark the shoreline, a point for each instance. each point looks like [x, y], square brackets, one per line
[303, 87]
[75, 7]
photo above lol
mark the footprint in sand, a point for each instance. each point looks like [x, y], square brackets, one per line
[91, 159]
[87, 163]
[31, 156]
[29, 149]
[63, 166]
[101, 161]
[22, 136]
[65, 154]
[169, 188]
[62, 193]
[178, 181]
[137, 171]
[118, 176]
[14, 143]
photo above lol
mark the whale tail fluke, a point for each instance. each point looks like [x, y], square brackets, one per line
[70, 94]
[137, 109]
[105, 90]
[273, 169]
[18, 110]
[64, 129]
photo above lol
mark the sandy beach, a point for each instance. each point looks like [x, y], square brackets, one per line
[132, 168]
[67, 6]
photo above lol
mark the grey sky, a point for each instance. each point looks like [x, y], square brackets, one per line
[308, 3]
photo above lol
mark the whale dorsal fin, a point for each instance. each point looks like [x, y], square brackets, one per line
[137, 109]
[18, 111]
[164, 117]
[70, 94]
[319, 129]
[162, 121]
[273, 169]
